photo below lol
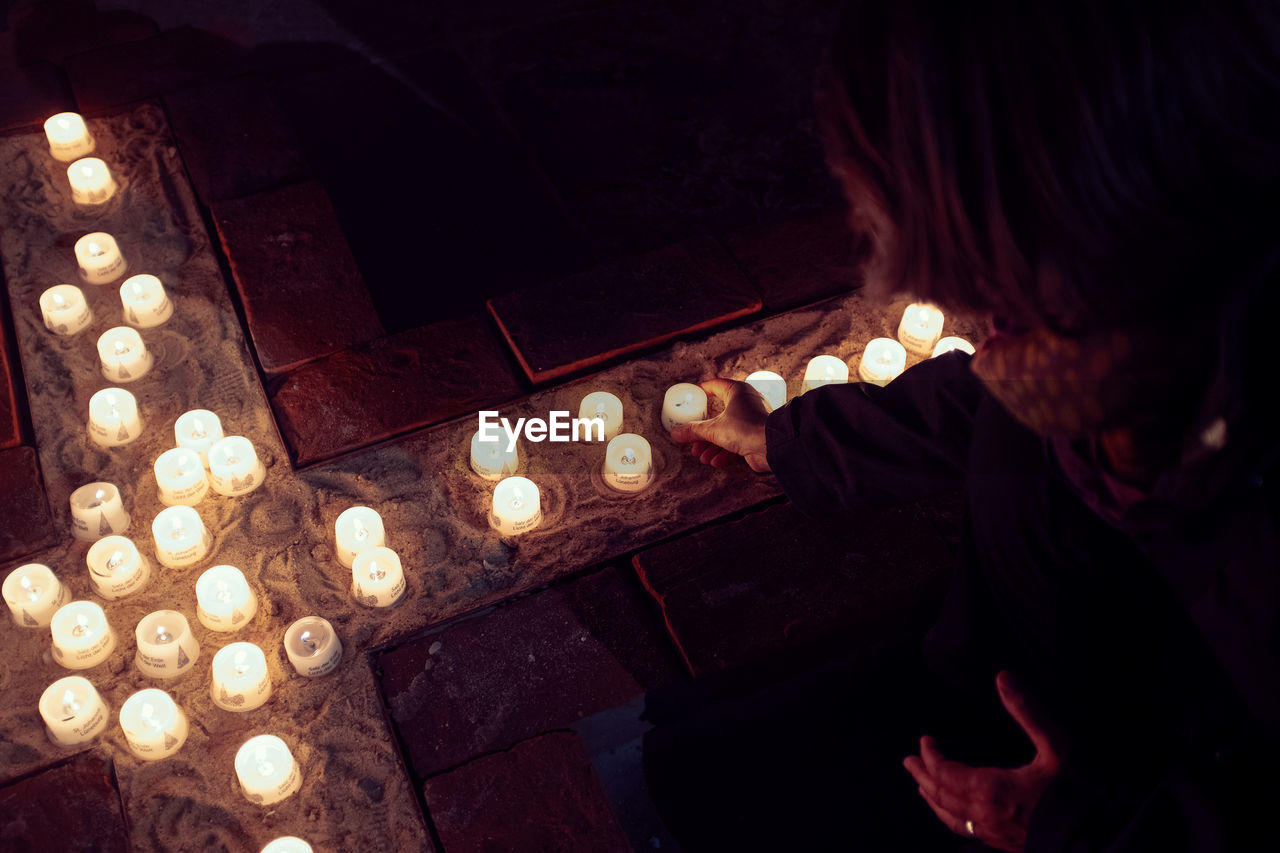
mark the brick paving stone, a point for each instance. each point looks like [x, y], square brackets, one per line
[544, 662]
[590, 319]
[799, 261]
[540, 795]
[775, 583]
[32, 93]
[72, 807]
[392, 385]
[303, 296]
[232, 139]
[28, 524]
[56, 29]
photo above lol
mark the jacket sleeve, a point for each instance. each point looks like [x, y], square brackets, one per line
[844, 447]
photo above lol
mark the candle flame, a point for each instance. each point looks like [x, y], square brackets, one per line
[177, 531]
[64, 124]
[241, 662]
[81, 627]
[87, 171]
[111, 401]
[629, 456]
[70, 706]
[58, 301]
[162, 635]
[231, 456]
[95, 250]
[183, 462]
[137, 289]
[224, 592]
[375, 571]
[117, 557]
[197, 428]
[359, 530]
[308, 642]
[33, 591]
[601, 413]
[148, 714]
[883, 359]
[265, 767]
[121, 347]
[99, 495]
[688, 399]
[517, 499]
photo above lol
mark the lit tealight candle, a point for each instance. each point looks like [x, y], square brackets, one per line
[113, 417]
[491, 459]
[100, 259]
[123, 355]
[357, 529]
[197, 430]
[153, 724]
[97, 510]
[287, 844]
[180, 536]
[82, 637]
[241, 681]
[628, 463]
[683, 403]
[145, 302]
[266, 769]
[69, 138]
[771, 386]
[91, 182]
[882, 361]
[825, 370]
[234, 466]
[116, 567]
[377, 578]
[312, 646]
[73, 712]
[65, 310]
[33, 594]
[517, 506]
[166, 646]
[224, 599]
[950, 343]
[920, 328]
[605, 406]
[180, 477]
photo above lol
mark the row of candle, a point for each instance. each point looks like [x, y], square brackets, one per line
[144, 302]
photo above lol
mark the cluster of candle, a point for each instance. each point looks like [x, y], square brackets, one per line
[377, 576]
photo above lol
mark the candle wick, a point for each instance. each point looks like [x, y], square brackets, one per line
[359, 530]
[149, 715]
[95, 250]
[70, 706]
[121, 347]
[33, 591]
[117, 557]
[115, 413]
[308, 641]
[137, 289]
[601, 413]
[58, 301]
[197, 429]
[629, 456]
[375, 572]
[163, 636]
[81, 627]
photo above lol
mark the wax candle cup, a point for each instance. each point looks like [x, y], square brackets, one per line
[357, 529]
[882, 361]
[312, 646]
[154, 726]
[116, 568]
[197, 430]
[69, 138]
[224, 600]
[33, 594]
[234, 467]
[123, 356]
[492, 459]
[180, 536]
[628, 463]
[100, 259]
[82, 637]
[91, 182]
[683, 403]
[145, 302]
[166, 646]
[517, 506]
[948, 344]
[113, 417]
[825, 370]
[377, 578]
[241, 681]
[97, 510]
[73, 712]
[266, 770]
[65, 310]
[287, 844]
[180, 477]
[606, 407]
[771, 386]
[920, 327]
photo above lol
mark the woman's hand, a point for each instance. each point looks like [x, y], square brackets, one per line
[736, 431]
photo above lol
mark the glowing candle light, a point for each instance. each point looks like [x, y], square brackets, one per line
[607, 407]
[312, 646]
[166, 646]
[69, 138]
[377, 578]
[153, 724]
[771, 386]
[116, 567]
[825, 370]
[72, 710]
[287, 844]
[358, 529]
[123, 355]
[113, 417]
[100, 259]
[224, 599]
[91, 182]
[628, 463]
[145, 302]
[33, 593]
[234, 466]
[266, 770]
[491, 459]
[920, 327]
[82, 637]
[683, 403]
[241, 681]
[65, 310]
[97, 510]
[517, 506]
[180, 536]
[882, 361]
[198, 430]
[950, 343]
[180, 477]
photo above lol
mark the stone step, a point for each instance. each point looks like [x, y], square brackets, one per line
[72, 806]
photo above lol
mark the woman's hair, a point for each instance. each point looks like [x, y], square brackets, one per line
[1070, 165]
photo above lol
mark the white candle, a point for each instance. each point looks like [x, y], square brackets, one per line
[771, 386]
[154, 726]
[180, 536]
[197, 430]
[825, 370]
[123, 355]
[234, 467]
[166, 646]
[82, 637]
[357, 529]
[113, 417]
[145, 302]
[97, 510]
[33, 594]
[882, 361]
[920, 327]
[241, 681]
[683, 403]
[266, 769]
[73, 711]
[100, 259]
[312, 646]
[607, 407]
[287, 844]
[628, 463]
[65, 310]
[224, 599]
[69, 138]
[116, 567]
[491, 459]
[91, 182]
[950, 343]
[180, 477]
[517, 506]
[377, 578]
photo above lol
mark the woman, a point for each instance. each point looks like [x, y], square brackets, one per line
[1100, 178]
